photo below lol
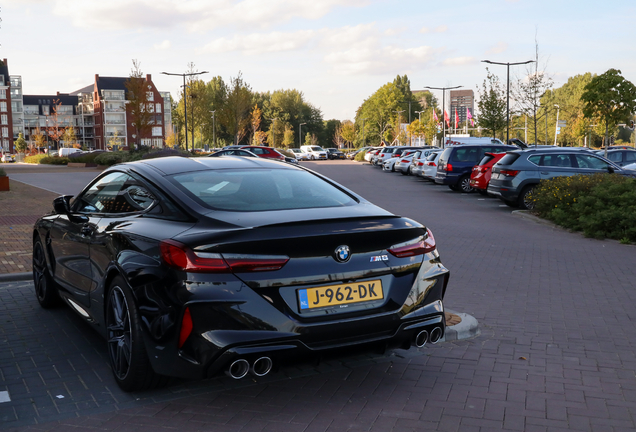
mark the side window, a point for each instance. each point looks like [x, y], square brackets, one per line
[591, 162]
[557, 160]
[616, 156]
[535, 159]
[258, 151]
[630, 156]
[115, 193]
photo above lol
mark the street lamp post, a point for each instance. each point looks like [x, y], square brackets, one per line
[213, 128]
[300, 128]
[508, 90]
[185, 103]
[443, 89]
[556, 127]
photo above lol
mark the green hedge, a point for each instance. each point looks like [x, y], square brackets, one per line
[360, 156]
[600, 205]
[35, 159]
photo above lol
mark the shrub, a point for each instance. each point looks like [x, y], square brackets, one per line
[109, 158]
[2, 173]
[35, 159]
[360, 156]
[600, 205]
[54, 160]
[164, 153]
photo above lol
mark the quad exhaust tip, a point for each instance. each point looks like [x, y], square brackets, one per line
[421, 339]
[241, 367]
[261, 366]
[436, 335]
[238, 369]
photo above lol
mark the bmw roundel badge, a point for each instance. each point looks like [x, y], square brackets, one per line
[342, 254]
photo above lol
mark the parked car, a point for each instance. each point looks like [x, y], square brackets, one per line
[300, 155]
[429, 170]
[407, 165]
[352, 154]
[620, 157]
[334, 153]
[480, 177]
[371, 154]
[193, 266]
[7, 158]
[390, 164]
[66, 151]
[384, 154]
[315, 152]
[264, 152]
[518, 172]
[232, 152]
[456, 163]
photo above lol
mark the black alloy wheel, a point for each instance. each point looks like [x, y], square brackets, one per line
[126, 349]
[45, 288]
[464, 184]
[525, 199]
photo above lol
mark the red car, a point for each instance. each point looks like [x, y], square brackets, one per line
[480, 176]
[265, 152]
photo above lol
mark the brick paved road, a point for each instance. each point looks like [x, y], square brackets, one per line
[556, 351]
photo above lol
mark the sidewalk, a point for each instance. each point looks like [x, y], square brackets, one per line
[19, 209]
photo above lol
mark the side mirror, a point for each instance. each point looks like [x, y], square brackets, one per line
[610, 169]
[61, 205]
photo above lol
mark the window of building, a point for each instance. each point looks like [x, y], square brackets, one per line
[4, 119]
[5, 132]
[156, 131]
[158, 107]
[46, 110]
[3, 93]
[150, 96]
[3, 107]
[157, 142]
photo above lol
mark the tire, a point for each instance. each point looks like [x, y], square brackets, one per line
[45, 289]
[525, 202]
[464, 185]
[405, 173]
[126, 349]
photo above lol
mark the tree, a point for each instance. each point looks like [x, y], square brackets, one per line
[610, 98]
[492, 104]
[138, 107]
[69, 137]
[348, 132]
[20, 144]
[527, 92]
[257, 135]
[54, 129]
[235, 112]
[288, 136]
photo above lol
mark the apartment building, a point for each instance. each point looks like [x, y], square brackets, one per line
[97, 113]
[461, 100]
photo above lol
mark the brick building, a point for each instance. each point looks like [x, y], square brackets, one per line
[461, 100]
[97, 112]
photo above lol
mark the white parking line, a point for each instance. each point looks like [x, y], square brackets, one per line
[4, 396]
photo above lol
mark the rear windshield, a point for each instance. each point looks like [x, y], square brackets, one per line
[260, 190]
[508, 159]
[432, 156]
[487, 158]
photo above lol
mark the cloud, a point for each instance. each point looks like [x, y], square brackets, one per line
[162, 46]
[438, 29]
[195, 15]
[498, 49]
[459, 61]
[260, 43]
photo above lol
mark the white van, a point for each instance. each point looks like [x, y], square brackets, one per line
[65, 151]
[315, 152]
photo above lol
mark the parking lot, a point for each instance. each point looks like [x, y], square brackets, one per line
[556, 350]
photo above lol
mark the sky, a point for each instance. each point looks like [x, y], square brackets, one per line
[336, 52]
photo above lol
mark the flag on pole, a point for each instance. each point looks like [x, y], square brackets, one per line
[446, 118]
[456, 118]
[469, 117]
[435, 116]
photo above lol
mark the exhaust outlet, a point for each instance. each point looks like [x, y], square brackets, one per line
[261, 366]
[421, 339]
[238, 369]
[436, 335]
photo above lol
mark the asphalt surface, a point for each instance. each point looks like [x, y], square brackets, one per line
[556, 349]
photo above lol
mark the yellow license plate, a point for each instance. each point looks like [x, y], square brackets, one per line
[334, 295]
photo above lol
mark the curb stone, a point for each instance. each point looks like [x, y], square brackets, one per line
[466, 329]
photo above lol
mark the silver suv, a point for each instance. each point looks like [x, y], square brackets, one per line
[518, 172]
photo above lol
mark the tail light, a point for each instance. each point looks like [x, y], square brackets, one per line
[186, 327]
[180, 256]
[420, 164]
[510, 173]
[449, 167]
[431, 164]
[418, 246]
[404, 161]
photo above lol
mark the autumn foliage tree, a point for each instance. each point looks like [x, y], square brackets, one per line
[138, 108]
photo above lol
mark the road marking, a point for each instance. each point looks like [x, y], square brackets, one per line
[4, 396]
